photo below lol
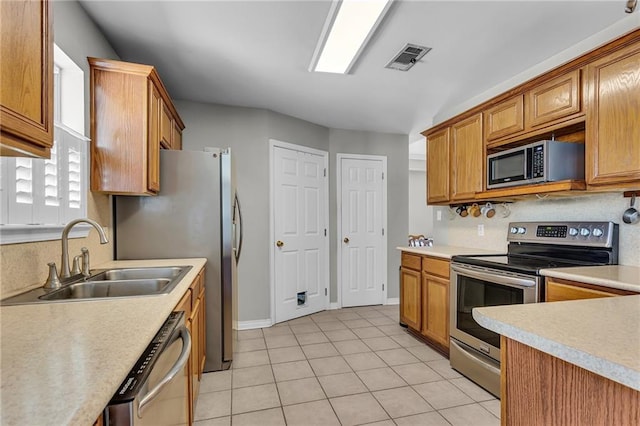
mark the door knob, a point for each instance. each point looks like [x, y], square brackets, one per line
[279, 243]
[346, 240]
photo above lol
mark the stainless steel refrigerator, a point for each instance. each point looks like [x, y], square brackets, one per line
[196, 214]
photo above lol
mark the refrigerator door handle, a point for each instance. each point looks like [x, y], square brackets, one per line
[239, 243]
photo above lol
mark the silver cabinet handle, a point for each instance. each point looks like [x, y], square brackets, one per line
[177, 367]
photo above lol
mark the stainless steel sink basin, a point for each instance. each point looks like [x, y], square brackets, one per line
[110, 283]
[137, 273]
[123, 288]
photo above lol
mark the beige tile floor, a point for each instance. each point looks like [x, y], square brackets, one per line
[342, 367]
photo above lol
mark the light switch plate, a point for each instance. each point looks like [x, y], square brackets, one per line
[481, 230]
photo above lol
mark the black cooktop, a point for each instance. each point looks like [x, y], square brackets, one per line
[520, 264]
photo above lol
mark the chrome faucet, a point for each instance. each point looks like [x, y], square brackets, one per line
[65, 273]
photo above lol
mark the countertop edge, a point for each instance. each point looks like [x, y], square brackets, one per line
[444, 251]
[590, 362]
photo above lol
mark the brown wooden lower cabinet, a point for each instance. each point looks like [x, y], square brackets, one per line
[540, 389]
[559, 289]
[424, 298]
[192, 303]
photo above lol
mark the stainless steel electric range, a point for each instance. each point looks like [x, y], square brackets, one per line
[513, 278]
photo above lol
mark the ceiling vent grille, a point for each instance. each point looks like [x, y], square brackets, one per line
[407, 57]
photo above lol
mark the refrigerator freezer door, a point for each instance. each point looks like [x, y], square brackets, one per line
[184, 220]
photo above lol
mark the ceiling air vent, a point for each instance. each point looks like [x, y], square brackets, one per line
[407, 57]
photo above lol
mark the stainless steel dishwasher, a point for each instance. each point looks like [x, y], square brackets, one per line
[155, 392]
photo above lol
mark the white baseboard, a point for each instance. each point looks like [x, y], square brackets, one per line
[393, 301]
[250, 325]
[334, 305]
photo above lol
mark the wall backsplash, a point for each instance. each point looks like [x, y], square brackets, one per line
[457, 231]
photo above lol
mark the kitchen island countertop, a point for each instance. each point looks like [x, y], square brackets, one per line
[62, 362]
[599, 335]
[446, 252]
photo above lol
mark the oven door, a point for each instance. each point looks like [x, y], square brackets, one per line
[475, 287]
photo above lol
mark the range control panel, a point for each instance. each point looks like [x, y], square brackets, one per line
[594, 234]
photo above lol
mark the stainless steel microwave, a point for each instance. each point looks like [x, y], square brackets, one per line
[543, 161]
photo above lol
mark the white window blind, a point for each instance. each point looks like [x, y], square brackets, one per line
[39, 196]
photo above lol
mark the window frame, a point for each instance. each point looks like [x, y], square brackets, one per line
[73, 84]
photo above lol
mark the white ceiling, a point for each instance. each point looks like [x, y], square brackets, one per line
[256, 53]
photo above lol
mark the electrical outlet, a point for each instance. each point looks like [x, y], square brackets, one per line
[481, 230]
[439, 215]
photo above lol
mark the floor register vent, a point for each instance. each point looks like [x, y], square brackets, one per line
[407, 57]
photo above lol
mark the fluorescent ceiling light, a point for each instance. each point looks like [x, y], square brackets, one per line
[349, 26]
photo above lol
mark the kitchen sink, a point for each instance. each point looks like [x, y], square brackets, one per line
[136, 274]
[109, 283]
[123, 288]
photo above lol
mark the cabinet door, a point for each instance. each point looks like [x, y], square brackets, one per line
[202, 336]
[554, 99]
[613, 119]
[153, 148]
[194, 359]
[467, 158]
[410, 298]
[26, 78]
[166, 126]
[438, 167]
[504, 119]
[435, 309]
[176, 140]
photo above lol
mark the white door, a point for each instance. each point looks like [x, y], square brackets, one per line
[362, 247]
[300, 241]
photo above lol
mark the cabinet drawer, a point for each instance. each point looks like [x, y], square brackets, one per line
[434, 266]
[411, 261]
[185, 304]
[558, 289]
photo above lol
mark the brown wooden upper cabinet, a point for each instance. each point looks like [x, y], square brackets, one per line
[613, 119]
[504, 119]
[438, 167]
[554, 100]
[467, 158]
[26, 79]
[132, 118]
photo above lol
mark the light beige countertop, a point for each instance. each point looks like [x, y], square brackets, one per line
[446, 252]
[615, 276]
[599, 335]
[63, 361]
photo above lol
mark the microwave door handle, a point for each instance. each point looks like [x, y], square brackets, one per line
[494, 278]
[177, 367]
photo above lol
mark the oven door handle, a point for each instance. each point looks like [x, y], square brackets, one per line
[183, 333]
[494, 278]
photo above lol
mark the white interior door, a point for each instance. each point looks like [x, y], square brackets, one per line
[363, 251]
[300, 222]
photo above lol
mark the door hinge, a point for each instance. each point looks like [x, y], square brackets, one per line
[382, 231]
[382, 286]
[325, 291]
[382, 175]
[325, 172]
[325, 232]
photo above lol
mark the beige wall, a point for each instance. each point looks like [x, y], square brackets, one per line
[24, 266]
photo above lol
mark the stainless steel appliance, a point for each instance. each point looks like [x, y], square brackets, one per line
[196, 214]
[155, 392]
[543, 161]
[513, 278]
